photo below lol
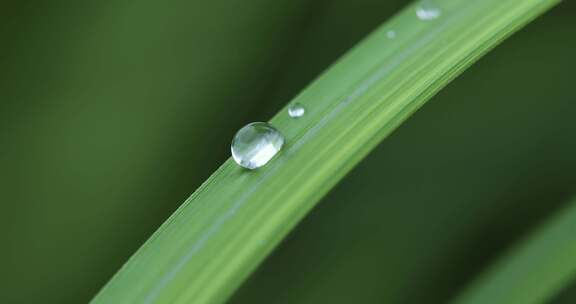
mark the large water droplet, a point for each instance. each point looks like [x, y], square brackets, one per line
[426, 11]
[296, 110]
[255, 144]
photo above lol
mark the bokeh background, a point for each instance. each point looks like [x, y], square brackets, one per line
[112, 112]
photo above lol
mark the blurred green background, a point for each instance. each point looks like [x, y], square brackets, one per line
[112, 112]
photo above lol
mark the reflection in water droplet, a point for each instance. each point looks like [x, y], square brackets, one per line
[256, 144]
[427, 11]
[296, 110]
[391, 34]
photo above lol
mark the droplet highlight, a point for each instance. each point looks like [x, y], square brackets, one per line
[255, 144]
[296, 110]
[391, 34]
[426, 11]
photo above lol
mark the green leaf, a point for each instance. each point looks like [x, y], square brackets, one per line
[534, 270]
[228, 226]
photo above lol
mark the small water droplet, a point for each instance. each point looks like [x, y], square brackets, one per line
[391, 34]
[426, 11]
[296, 110]
[255, 144]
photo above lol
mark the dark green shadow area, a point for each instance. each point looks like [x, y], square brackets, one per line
[111, 113]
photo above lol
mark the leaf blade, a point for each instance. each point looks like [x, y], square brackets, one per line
[534, 270]
[232, 221]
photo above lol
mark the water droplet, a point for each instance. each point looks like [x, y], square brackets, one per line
[426, 11]
[296, 110]
[391, 34]
[255, 144]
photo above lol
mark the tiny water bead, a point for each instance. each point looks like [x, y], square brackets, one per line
[426, 11]
[256, 144]
[391, 34]
[296, 110]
